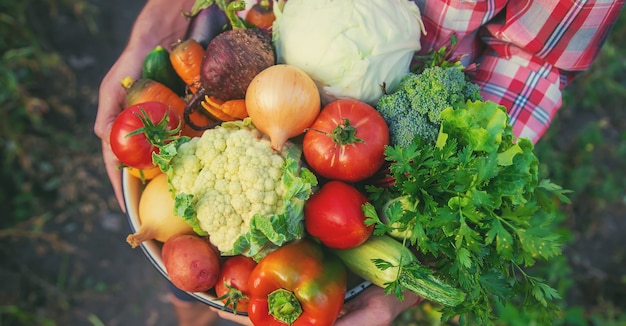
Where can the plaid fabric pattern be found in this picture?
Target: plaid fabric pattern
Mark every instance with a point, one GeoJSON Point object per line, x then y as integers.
{"type": "Point", "coordinates": [527, 51]}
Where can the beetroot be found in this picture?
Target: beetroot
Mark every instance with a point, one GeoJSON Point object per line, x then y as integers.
{"type": "Point", "coordinates": [232, 59]}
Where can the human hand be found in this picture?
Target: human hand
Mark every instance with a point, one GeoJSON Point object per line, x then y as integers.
{"type": "Point", "coordinates": [373, 307]}
{"type": "Point", "coordinates": [158, 23]}
{"type": "Point", "coordinates": [111, 101]}
{"type": "Point", "coordinates": [242, 320]}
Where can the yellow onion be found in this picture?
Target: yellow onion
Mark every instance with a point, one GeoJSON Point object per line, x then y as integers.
{"type": "Point", "coordinates": [282, 101]}
{"type": "Point", "coordinates": [156, 214]}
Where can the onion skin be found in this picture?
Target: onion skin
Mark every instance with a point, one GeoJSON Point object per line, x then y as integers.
{"type": "Point", "coordinates": [282, 101]}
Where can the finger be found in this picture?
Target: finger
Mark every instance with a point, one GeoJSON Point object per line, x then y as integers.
{"type": "Point", "coordinates": [363, 317]}
{"type": "Point", "coordinates": [115, 174]}
{"type": "Point", "coordinates": [242, 320]}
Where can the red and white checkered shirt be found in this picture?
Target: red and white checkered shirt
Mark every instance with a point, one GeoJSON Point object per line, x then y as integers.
{"type": "Point", "coordinates": [527, 51]}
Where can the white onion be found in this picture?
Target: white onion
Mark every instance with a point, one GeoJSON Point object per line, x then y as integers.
{"type": "Point", "coordinates": [282, 101]}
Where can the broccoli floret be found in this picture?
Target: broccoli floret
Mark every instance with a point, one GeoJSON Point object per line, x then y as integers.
{"type": "Point", "coordinates": [414, 108]}
{"type": "Point", "coordinates": [403, 122]}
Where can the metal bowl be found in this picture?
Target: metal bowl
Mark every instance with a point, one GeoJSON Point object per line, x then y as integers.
{"type": "Point", "coordinates": [132, 188]}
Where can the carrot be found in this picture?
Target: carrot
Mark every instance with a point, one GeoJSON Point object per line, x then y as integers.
{"type": "Point", "coordinates": [225, 110]}
{"type": "Point", "coordinates": [145, 90]}
{"type": "Point", "coordinates": [235, 108]}
{"type": "Point", "coordinates": [186, 58]}
{"type": "Point", "coordinates": [212, 106]}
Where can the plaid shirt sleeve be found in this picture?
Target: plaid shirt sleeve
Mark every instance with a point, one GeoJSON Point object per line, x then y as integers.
{"type": "Point", "coordinates": [527, 51]}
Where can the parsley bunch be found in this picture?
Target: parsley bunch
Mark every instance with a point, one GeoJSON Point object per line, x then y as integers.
{"type": "Point", "coordinates": [477, 211]}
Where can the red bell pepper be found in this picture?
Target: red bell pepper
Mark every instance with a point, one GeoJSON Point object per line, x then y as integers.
{"type": "Point", "coordinates": [297, 284]}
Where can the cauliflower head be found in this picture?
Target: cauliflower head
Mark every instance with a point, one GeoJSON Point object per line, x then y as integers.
{"type": "Point", "coordinates": [230, 176]}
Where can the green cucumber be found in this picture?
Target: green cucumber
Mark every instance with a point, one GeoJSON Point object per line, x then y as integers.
{"type": "Point", "coordinates": [412, 276]}
{"type": "Point", "coordinates": [158, 67]}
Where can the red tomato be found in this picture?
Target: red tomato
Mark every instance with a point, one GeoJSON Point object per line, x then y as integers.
{"type": "Point", "coordinates": [347, 141]}
{"type": "Point", "coordinates": [235, 274]}
{"type": "Point", "coordinates": [136, 150]}
{"type": "Point", "coordinates": [334, 216]}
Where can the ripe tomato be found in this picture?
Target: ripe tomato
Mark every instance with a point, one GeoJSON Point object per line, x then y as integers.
{"type": "Point", "coordinates": [334, 216]}
{"type": "Point", "coordinates": [232, 283]}
{"type": "Point", "coordinates": [133, 147]}
{"type": "Point", "coordinates": [347, 141]}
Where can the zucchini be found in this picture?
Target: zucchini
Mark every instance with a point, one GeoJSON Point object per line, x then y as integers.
{"type": "Point", "coordinates": [412, 276]}
{"type": "Point", "coordinates": [158, 67]}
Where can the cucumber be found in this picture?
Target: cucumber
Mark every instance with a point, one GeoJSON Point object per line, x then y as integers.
{"type": "Point", "coordinates": [158, 67]}
{"type": "Point", "coordinates": [360, 260]}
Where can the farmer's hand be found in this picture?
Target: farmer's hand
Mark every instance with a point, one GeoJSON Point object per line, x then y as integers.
{"type": "Point", "coordinates": [111, 101]}
{"type": "Point", "coordinates": [158, 23]}
{"type": "Point", "coordinates": [373, 307]}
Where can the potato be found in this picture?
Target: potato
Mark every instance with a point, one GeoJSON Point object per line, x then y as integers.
{"type": "Point", "coordinates": [191, 262]}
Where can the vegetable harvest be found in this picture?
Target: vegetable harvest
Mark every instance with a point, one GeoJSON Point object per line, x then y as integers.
{"type": "Point", "coordinates": [478, 210]}
{"type": "Point", "coordinates": [423, 186]}
{"type": "Point", "coordinates": [231, 185]}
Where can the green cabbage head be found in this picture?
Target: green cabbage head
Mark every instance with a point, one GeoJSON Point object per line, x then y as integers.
{"type": "Point", "coordinates": [349, 47]}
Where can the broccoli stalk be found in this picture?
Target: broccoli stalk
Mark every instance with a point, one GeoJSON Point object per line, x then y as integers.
{"type": "Point", "coordinates": [414, 108]}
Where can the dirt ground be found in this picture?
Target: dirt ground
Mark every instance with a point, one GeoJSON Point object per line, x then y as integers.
{"type": "Point", "coordinates": [72, 266]}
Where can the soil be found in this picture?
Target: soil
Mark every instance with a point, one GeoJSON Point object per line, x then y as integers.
{"type": "Point", "coordinates": [72, 266]}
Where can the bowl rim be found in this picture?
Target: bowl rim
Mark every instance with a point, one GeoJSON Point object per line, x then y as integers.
{"type": "Point", "coordinates": [131, 191]}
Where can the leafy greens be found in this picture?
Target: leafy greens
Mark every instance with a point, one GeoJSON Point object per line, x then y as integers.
{"type": "Point", "coordinates": [477, 210]}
